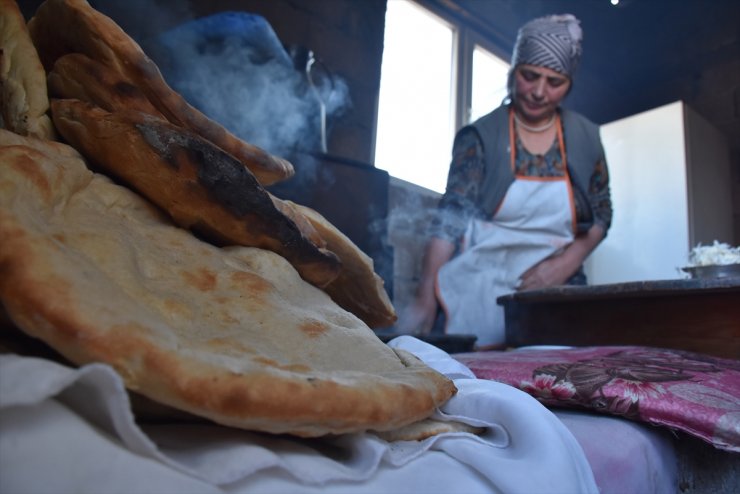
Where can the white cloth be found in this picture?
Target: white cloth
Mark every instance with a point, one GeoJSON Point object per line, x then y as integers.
{"type": "Point", "coordinates": [71, 430]}
{"type": "Point", "coordinates": [534, 221]}
{"type": "Point", "coordinates": [613, 445]}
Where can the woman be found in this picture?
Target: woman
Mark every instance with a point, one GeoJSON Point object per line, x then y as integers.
{"type": "Point", "coordinates": [527, 196]}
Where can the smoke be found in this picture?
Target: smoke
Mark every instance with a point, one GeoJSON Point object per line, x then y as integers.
{"type": "Point", "coordinates": [411, 213]}
{"type": "Point", "coordinates": [232, 67]}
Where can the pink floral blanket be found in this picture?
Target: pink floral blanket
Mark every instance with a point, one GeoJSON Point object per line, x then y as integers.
{"type": "Point", "coordinates": [690, 392]}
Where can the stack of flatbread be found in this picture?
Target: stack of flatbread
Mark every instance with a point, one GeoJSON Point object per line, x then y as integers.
{"type": "Point", "coordinates": [208, 180]}
{"type": "Point", "coordinates": [150, 245]}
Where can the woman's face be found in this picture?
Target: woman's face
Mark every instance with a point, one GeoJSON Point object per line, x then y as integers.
{"type": "Point", "coordinates": [538, 92]}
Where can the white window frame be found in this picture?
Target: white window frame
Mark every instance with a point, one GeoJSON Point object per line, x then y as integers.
{"type": "Point", "coordinates": [465, 39]}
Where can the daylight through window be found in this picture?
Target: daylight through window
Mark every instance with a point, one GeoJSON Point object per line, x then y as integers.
{"type": "Point", "coordinates": [419, 108]}
{"type": "Point", "coordinates": [415, 112]}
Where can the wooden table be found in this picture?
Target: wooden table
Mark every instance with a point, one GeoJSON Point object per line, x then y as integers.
{"type": "Point", "coordinates": [700, 315]}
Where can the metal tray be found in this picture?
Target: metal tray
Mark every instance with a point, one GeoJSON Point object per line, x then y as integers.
{"type": "Point", "coordinates": [716, 271]}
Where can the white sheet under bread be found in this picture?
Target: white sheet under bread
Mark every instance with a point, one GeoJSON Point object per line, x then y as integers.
{"type": "Point", "coordinates": [70, 430]}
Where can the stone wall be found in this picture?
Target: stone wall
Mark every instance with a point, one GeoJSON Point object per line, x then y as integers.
{"type": "Point", "coordinates": [410, 209]}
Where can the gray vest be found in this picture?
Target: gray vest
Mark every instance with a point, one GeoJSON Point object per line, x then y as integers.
{"type": "Point", "coordinates": [582, 144]}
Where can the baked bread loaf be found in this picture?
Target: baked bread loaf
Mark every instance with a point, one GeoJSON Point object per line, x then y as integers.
{"type": "Point", "coordinates": [23, 96]}
{"type": "Point", "coordinates": [60, 27]}
{"type": "Point", "coordinates": [233, 335]}
{"type": "Point", "coordinates": [357, 288]}
{"type": "Point", "coordinates": [202, 187]}
{"type": "Point", "coordinates": [77, 76]}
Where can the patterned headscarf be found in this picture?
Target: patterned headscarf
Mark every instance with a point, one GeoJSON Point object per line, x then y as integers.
{"type": "Point", "coordinates": [553, 42]}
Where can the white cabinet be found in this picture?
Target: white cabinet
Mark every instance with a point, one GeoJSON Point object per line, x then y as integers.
{"type": "Point", "coordinates": [671, 189]}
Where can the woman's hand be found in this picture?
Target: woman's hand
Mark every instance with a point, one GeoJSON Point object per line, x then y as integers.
{"type": "Point", "coordinates": [552, 271]}
{"type": "Point", "coordinates": [555, 270]}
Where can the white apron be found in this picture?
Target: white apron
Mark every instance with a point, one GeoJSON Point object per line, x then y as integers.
{"type": "Point", "coordinates": [534, 221]}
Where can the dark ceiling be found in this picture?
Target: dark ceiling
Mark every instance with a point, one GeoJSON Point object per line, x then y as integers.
{"type": "Point", "coordinates": [637, 55]}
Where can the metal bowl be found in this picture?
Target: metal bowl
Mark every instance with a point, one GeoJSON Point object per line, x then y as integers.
{"type": "Point", "coordinates": [715, 271]}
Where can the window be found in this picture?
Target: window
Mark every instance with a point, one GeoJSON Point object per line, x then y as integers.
{"type": "Point", "coordinates": [435, 77]}
{"type": "Point", "coordinates": [489, 82]}
{"type": "Point", "coordinates": [415, 111]}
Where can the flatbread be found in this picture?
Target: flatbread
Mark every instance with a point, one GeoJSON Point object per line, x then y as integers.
{"type": "Point", "coordinates": [23, 95]}
{"type": "Point", "coordinates": [202, 187]}
{"type": "Point", "coordinates": [233, 335]}
{"type": "Point", "coordinates": [357, 288]}
{"type": "Point", "coordinates": [105, 81]}
{"type": "Point", "coordinates": [52, 148]}
{"type": "Point", "coordinates": [16, 342]}
{"type": "Point", "coordinates": [424, 429]}
{"type": "Point", "coordinates": [77, 76]}
{"type": "Point", "coordinates": [60, 27]}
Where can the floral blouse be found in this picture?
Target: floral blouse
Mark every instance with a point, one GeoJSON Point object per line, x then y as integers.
{"type": "Point", "coordinates": [460, 203]}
